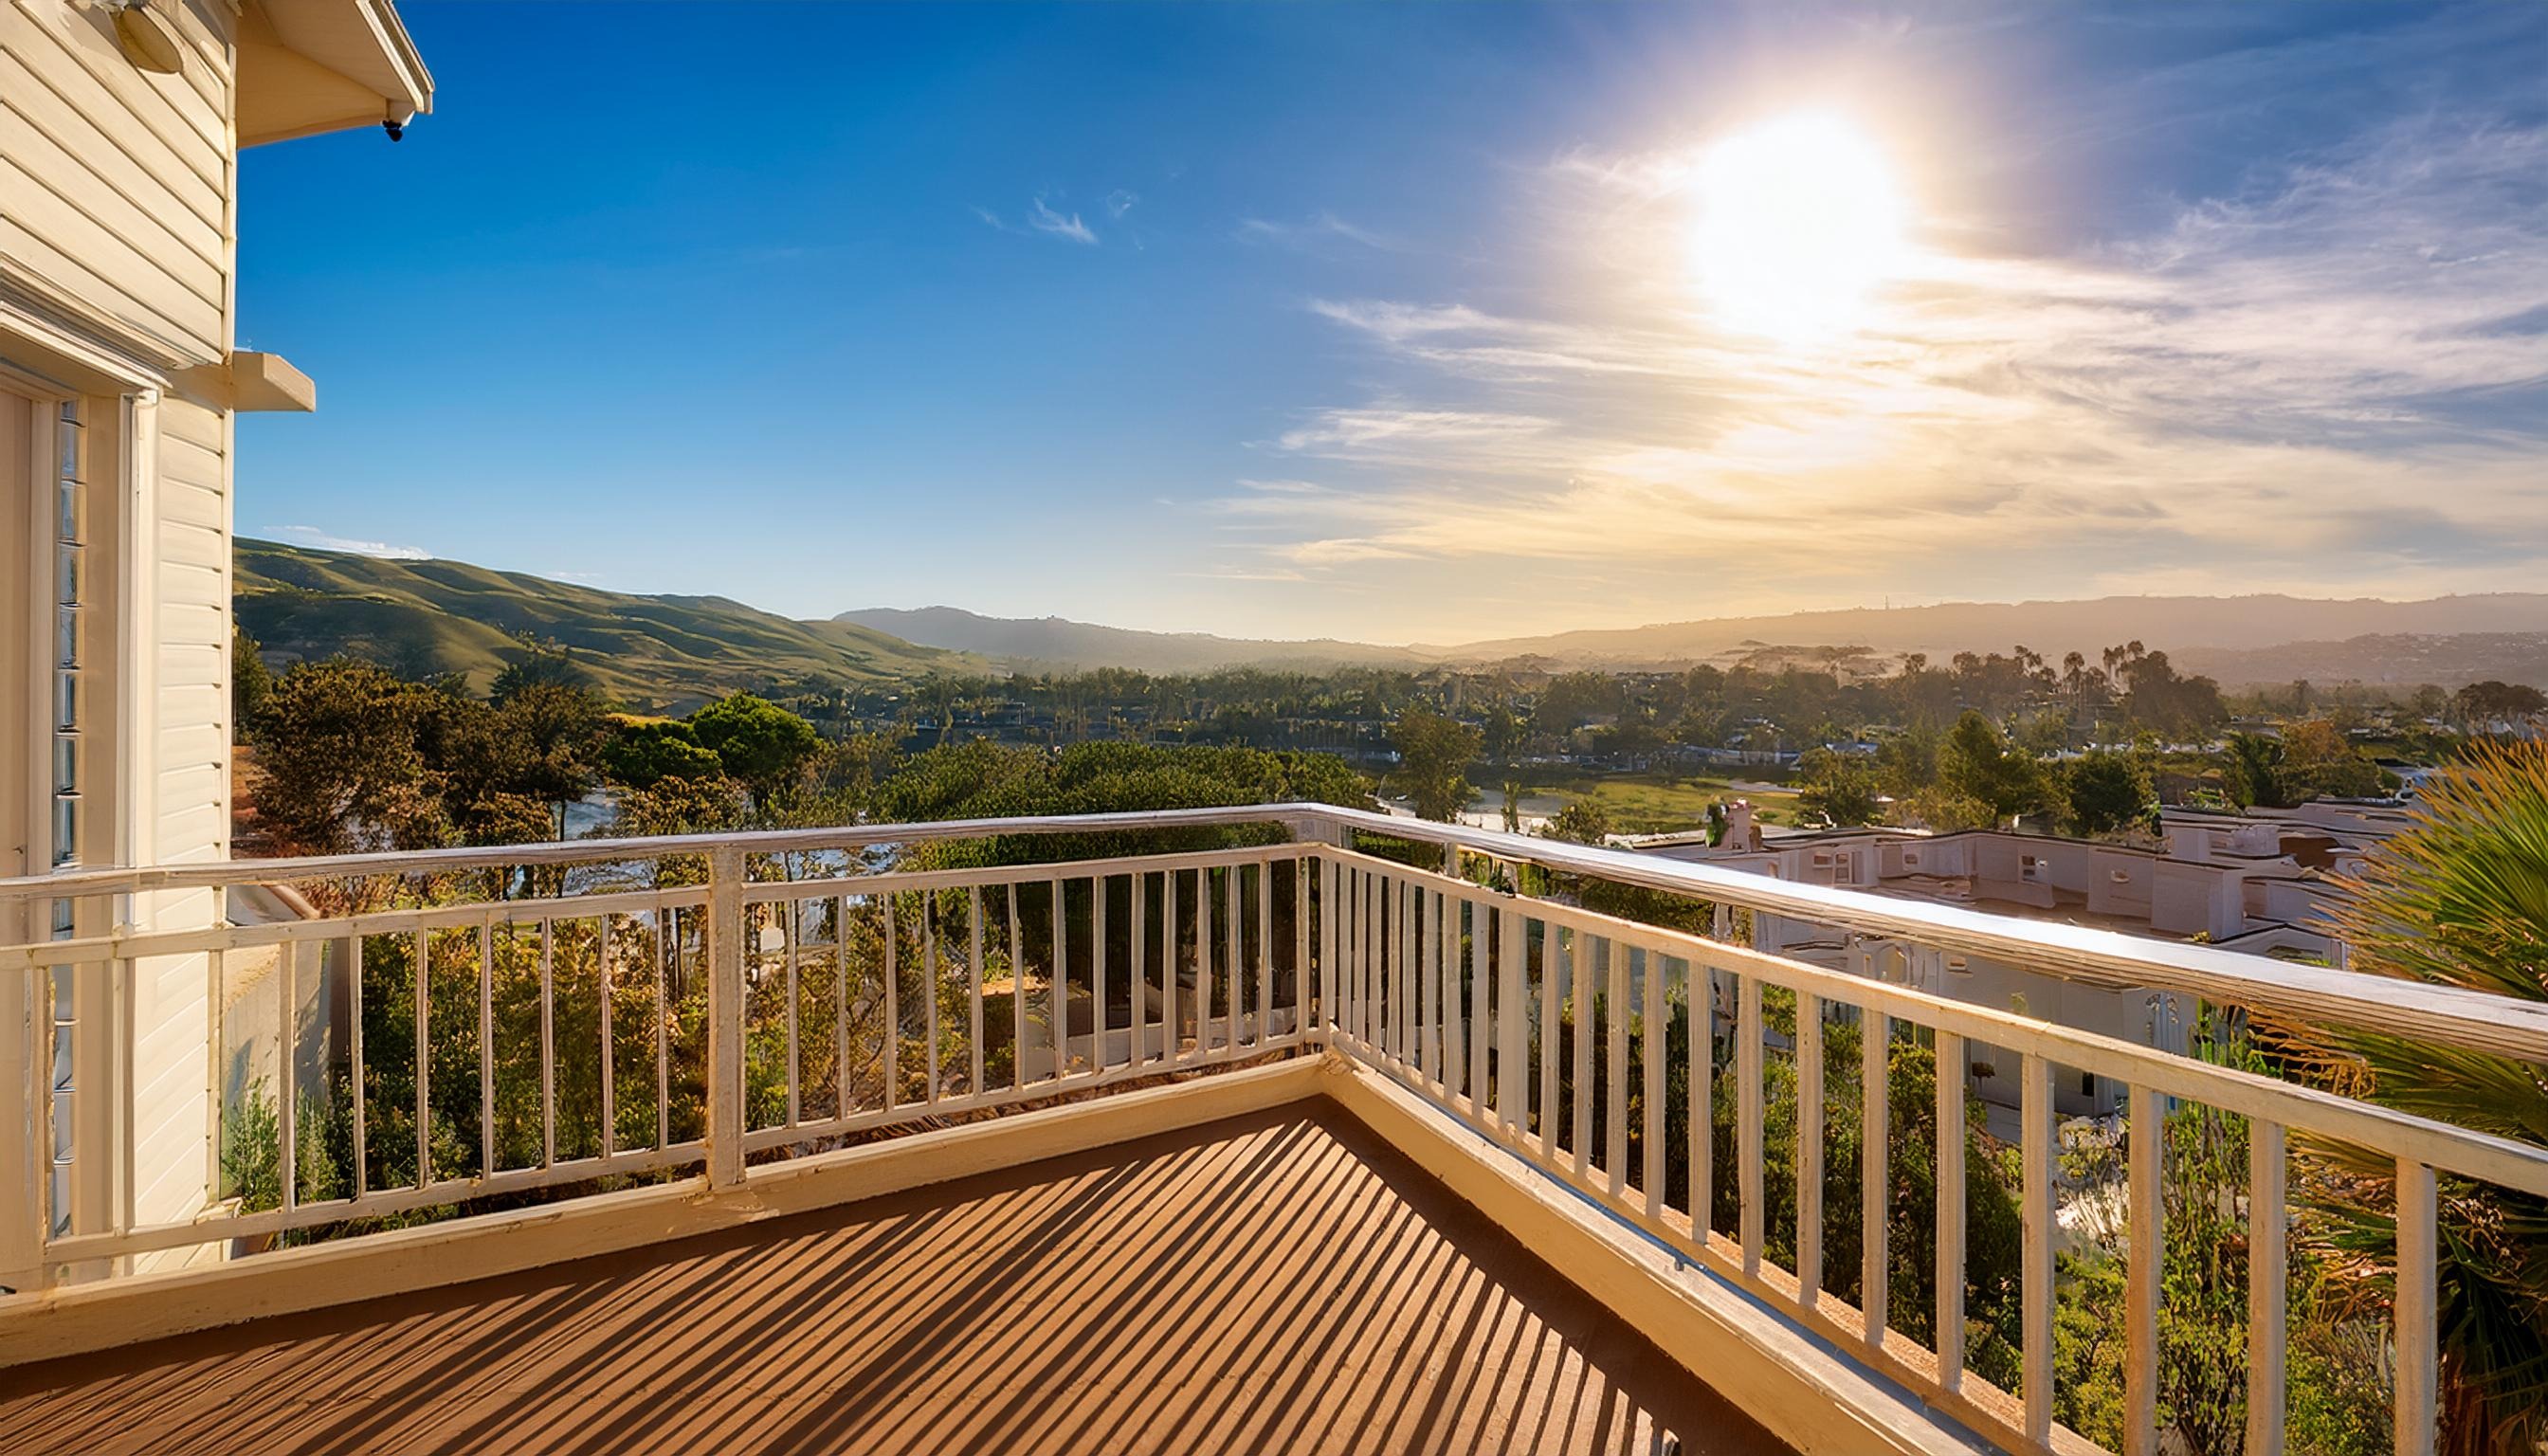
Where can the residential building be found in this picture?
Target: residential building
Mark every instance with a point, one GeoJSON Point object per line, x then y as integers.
{"type": "Point", "coordinates": [120, 131]}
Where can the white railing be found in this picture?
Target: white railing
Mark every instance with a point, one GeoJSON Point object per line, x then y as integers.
{"type": "Point", "coordinates": [542, 1017]}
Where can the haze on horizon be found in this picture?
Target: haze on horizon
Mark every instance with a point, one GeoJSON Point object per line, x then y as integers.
{"type": "Point", "coordinates": [1428, 323]}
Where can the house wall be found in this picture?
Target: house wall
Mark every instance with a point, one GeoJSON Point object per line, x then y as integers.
{"type": "Point", "coordinates": [120, 181]}
{"type": "Point", "coordinates": [116, 248]}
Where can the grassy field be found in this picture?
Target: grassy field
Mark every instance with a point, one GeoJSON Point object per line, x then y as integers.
{"type": "Point", "coordinates": [1662, 803]}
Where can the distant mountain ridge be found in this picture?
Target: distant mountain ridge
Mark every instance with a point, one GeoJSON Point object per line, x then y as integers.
{"type": "Point", "coordinates": [2240, 640]}
{"type": "Point", "coordinates": [2174, 624]}
{"type": "Point", "coordinates": [1057, 642]}
{"type": "Point", "coordinates": [424, 618]}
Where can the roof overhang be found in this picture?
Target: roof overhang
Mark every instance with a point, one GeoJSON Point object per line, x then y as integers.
{"type": "Point", "coordinates": [306, 67]}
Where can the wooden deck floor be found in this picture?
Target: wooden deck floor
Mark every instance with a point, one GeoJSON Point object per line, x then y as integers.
{"type": "Point", "coordinates": [1280, 1283]}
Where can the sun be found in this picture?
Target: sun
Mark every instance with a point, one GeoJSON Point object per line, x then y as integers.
{"type": "Point", "coordinates": [1798, 221]}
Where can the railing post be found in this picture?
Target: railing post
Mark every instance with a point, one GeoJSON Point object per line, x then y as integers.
{"type": "Point", "coordinates": [21, 1168]}
{"type": "Point", "coordinates": [725, 1016]}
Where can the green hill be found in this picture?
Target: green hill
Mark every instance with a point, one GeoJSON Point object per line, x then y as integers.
{"type": "Point", "coordinates": [650, 652]}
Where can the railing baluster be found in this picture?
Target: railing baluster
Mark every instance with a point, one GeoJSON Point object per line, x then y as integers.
{"type": "Point", "coordinates": [2147, 1232]}
{"type": "Point", "coordinates": [1551, 1020]}
{"type": "Point", "coordinates": [1455, 1035]}
{"type": "Point", "coordinates": [791, 919]}
{"type": "Point", "coordinates": [548, 1045]}
{"type": "Point", "coordinates": [2267, 1208]}
{"type": "Point", "coordinates": [728, 877]}
{"type": "Point", "coordinates": [1374, 963]}
{"type": "Point", "coordinates": [1874, 1172]}
{"type": "Point", "coordinates": [424, 1065]}
{"type": "Point", "coordinates": [1171, 1028]}
{"type": "Point", "coordinates": [1264, 952]}
{"type": "Point", "coordinates": [1137, 1013]}
{"type": "Point", "coordinates": [1950, 1341]}
{"type": "Point", "coordinates": [892, 1005]}
{"type": "Point", "coordinates": [288, 1038]}
{"type": "Point", "coordinates": [487, 1047]}
{"type": "Point", "coordinates": [1203, 961]}
{"type": "Point", "coordinates": [1425, 996]}
{"type": "Point", "coordinates": [354, 1027]}
{"type": "Point", "coordinates": [1747, 1171]}
{"type": "Point", "coordinates": [1234, 953]}
{"type": "Point", "coordinates": [929, 985]}
{"type": "Point", "coordinates": [1060, 997]}
{"type": "Point", "coordinates": [839, 1000]}
{"type": "Point", "coordinates": [1579, 963]}
{"type": "Point", "coordinates": [1614, 1067]}
{"type": "Point", "coordinates": [1300, 947]}
{"type": "Point", "coordinates": [610, 1141]}
{"type": "Point", "coordinates": [1701, 1112]}
{"type": "Point", "coordinates": [1403, 1018]}
{"type": "Point", "coordinates": [1809, 1148]}
{"type": "Point", "coordinates": [1655, 1043]}
{"type": "Point", "coordinates": [973, 980]}
{"type": "Point", "coordinates": [2035, 1209]}
{"type": "Point", "coordinates": [667, 956]}
{"type": "Point", "coordinates": [1513, 1089]}
{"type": "Point", "coordinates": [1017, 991]}
{"type": "Point", "coordinates": [2416, 1313]}
{"type": "Point", "coordinates": [1481, 1009]}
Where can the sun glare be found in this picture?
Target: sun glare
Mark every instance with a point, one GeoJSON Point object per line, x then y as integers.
{"type": "Point", "coordinates": [1798, 220]}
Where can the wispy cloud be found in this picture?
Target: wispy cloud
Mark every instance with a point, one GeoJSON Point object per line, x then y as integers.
{"type": "Point", "coordinates": [1319, 227]}
{"type": "Point", "coordinates": [314, 537]}
{"type": "Point", "coordinates": [1120, 201]}
{"type": "Point", "coordinates": [2330, 378]}
{"type": "Point", "coordinates": [1044, 220]}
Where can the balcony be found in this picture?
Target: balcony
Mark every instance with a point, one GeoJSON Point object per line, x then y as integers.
{"type": "Point", "coordinates": [1283, 1129]}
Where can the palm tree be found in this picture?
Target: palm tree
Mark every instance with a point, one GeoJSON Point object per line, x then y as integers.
{"type": "Point", "coordinates": [2460, 899]}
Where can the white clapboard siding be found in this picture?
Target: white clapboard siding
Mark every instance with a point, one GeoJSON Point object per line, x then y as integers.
{"type": "Point", "coordinates": [118, 179]}
{"type": "Point", "coordinates": [189, 804]}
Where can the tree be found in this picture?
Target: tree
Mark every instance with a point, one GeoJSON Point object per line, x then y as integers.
{"type": "Point", "coordinates": [542, 662]}
{"type": "Point", "coordinates": [2458, 899]}
{"type": "Point", "coordinates": [641, 753]}
{"type": "Point", "coordinates": [761, 745]}
{"type": "Point", "coordinates": [1582, 822]}
{"type": "Point", "coordinates": [557, 732]}
{"type": "Point", "coordinates": [2483, 704]}
{"type": "Point", "coordinates": [251, 685]}
{"type": "Point", "coordinates": [2103, 791]}
{"type": "Point", "coordinates": [2316, 759]}
{"type": "Point", "coordinates": [2252, 773]}
{"type": "Point", "coordinates": [1840, 787]}
{"type": "Point", "coordinates": [340, 769]}
{"type": "Point", "coordinates": [1976, 762]}
{"type": "Point", "coordinates": [1433, 756]}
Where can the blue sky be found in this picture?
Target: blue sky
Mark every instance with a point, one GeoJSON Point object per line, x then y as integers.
{"type": "Point", "coordinates": [1387, 323]}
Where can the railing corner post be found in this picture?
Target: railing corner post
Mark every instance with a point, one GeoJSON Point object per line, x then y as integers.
{"type": "Point", "coordinates": [725, 1091]}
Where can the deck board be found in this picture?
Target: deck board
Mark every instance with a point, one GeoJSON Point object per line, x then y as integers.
{"type": "Point", "coordinates": [1283, 1282]}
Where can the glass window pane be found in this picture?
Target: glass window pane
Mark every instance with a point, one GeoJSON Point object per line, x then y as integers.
{"type": "Point", "coordinates": [66, 829]}
{"type": "Point", "coordinates": [64, 913]}
{"type": "Point", "coordinates": [66, 636]}
{"type": "Point", "coordinates": [69, 503]}
{"type": "Point", "coordinates": [67, 703]}
{"type": "Point", "coordinates": [66, 763]}
{"type": "Point", "coordinates": [72, 411]}
{"type": "Point", "coordinates": [66, 574]}
{"type": "Point", "coordinates": [72, 438]}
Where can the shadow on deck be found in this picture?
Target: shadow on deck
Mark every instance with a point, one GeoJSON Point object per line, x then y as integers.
{"type": "Point", "coordinates": [1280, 1283]}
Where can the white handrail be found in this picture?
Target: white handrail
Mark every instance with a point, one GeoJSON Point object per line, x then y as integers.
{"type": "Point", "coordinates": [2447, 1015]}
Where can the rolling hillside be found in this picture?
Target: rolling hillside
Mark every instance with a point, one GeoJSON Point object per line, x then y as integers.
{"type": "Point", "coordinates": [2240, 640]}
{"type": "Point", "coordinates": [1058, 643]}
{"type": "Point", "coordinates": [448, 617]}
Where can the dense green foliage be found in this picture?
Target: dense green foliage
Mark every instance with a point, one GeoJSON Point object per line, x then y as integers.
{"type": "Point", "coordinates": [2461, 899]}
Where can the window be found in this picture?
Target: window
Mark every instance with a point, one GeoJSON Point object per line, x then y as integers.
{"type": "Point", "coordinates": [70, 658]}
